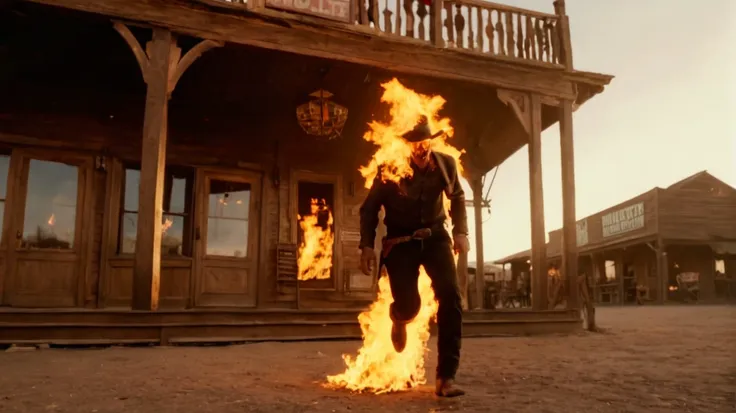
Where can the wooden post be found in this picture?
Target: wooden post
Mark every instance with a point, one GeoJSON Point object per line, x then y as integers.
{"type": "Point", "coordinates": [620, 274]}
{"type": "Point", "coordinates": [569, 227]}
{"type": "Point", "coordinates": [436, 24]}
{"type": "Point", "coordinates": [161, 69]}
{"type": "Point", "coordinates": [663, 271]}
{"type": "Point", "coordinates": [462, 278]}
{"type": "Point", "coordinates": [563, 25]}
{"type": "Point", "coordinates": [536, 195]}
{"type": "Point", "coordinates": [477, 187]}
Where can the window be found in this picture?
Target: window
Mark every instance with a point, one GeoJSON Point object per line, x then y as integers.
{"type": "Point", "coordinates": [4, 168]}
{"type": "Point", "coordinates": [228, 213]}
{"type": "Point", "coordinates": [51, 206]}
{"type": "Point", "coordinates": [177, 207]}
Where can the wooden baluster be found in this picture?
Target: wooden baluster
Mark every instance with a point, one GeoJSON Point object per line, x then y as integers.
{"type": "Point", "coordinates": [449, 24]}
{"type": "Point", "coordinates": [374, 14]}
{"type": "Point", "coordinates": [555, 40]}
{"type": "Point", "coordinates": [459, 26]}
{"type": "Point", "coordinates": [510, 34]}
{"type": "Point", "coordinates": [422, 13]}
{"type": "Point", "coordinates": [531, 53]}
{"type": "Point", "coordinates": [539, 36]}
{"type": "Point", "coordinates": [409, 17]}
{"type": "Point", "coordinates": [363, 13]}
{"type": "Point", "coordinates": [519, 37]}
{"type": "Point", "coordinates": [501, 34]}
{"type": "Point", "coordinates": [387, 26]}
{"type": "Point", "coordinates": [481, 38]}
{"type": "Point", "coordinates": [490, 31]}
{"type": "Point", "coordinates": [471, 36]}
{"type": "Point", "coordinates": [398, 16]}
{"type": "Point", "coordinates": [545, 40]}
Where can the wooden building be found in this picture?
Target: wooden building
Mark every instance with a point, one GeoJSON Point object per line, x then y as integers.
{"type": "Point", "coordinates": [113, 234]}
{"type": "Point", "coordinates": [667, 244]}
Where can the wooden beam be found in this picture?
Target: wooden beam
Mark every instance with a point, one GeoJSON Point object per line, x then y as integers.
{"type": "Point", "coordinates": [331, 40]}
{"type": "Point", "coordinates": [519, 102]}
{"type": "Point", "coordinates": [161, 68]}
{"type": "Point", "coordinates": [536, 195]}
{"type": "Point", "coordinates": [477, 187]}
{"type": "Point", "coordinates": [569, 227]}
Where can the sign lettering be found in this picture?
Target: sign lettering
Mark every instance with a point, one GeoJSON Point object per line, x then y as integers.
{"type": "Point", "coordinates": [338, 10]}
{"type": "Point", "coordinates": [626, 219]}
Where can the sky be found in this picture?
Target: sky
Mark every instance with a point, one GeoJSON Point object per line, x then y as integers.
{"type": "Point", "coordinates": [669, 112]}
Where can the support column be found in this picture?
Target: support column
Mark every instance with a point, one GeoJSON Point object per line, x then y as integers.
{"type": "Point", "coordinates": [663, 268]}
{"type": "Point", "coordinates": [536, 195]}
{"type": "Point", "coordinates": [161, 69]}
{"type": "Point", "coordinates": [569, 227]}
{"type": "Point", "coordinates": [477, 187]}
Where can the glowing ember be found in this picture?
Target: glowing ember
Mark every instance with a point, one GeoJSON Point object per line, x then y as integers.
{"type": "Point", "coordinates": [52, 220]}
{"type": "Point", "coordinates": [377, 367]}
{"type": "Point", "coordinates": [315, 251]}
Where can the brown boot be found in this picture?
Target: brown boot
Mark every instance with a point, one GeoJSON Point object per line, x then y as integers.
{"type": "Point", "coordinates": [447, 388]}
{"type": "Point", "coordinates": [398, 336]}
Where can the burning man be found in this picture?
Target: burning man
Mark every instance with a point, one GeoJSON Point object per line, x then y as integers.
{"type": "Point", "coordinates": [414, 219]}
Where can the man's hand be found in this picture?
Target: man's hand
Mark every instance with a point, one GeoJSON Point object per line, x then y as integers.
{"type": "Point", "coordinates": [367, 260]}
{"type": "Point", "coordinates": [460, 243]}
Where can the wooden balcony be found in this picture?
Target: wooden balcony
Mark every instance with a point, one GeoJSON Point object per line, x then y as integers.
{"type": "Point", "coordinates": [479, 27]}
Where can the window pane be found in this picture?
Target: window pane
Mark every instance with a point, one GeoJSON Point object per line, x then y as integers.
{"type": "Point", "coordinates": [227, 222]}
{"type": "Point", "coordinates": [172, 234]}
{"type": "Point", "coordinates": [4, 166]}
{"type": "Point", "coordinates": [227, 237]}
{"type": "Point", "coordinates": [128, 229]}
{"type": "Point", "coordinates": [229, 200]}
{"type": "Point", "coordinates": [177, 202]}
{"type": "Point", "coordinates": [132, 183]}
{"type": "Point", "coordinates": [51, 205]}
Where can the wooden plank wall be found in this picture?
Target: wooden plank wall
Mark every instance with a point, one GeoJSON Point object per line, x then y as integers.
{"type": "Point", "coordinates": [696, 215]}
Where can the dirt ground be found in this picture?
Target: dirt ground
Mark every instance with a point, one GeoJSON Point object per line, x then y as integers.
{"type": "Point", "coordinates": [649, 359]}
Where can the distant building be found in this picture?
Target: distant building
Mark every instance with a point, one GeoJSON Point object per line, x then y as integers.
{"type": "Point", "coordinates": [671, 244]}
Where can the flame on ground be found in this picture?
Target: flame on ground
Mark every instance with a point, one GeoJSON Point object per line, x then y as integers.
{"type": "Point", "coordinates": [315, 251]}
{"type": "Point", "coordinates": [377, 367]}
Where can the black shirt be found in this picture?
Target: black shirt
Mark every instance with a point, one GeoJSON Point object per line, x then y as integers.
{"type": "Point", "coordinates": [415, 202]}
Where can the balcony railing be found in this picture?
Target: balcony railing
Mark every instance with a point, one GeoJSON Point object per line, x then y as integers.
{"type": "Point", "coordinates": [474, 26]}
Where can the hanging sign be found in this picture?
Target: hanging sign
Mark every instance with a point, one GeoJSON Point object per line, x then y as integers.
{"type": "Point", "coordinates": [626, 219]}
{"type": "Point", "coordinates": [338, 10]}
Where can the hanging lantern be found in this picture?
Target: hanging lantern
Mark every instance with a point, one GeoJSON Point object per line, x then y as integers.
{"type": "Point", "coordinates": [322, 117]}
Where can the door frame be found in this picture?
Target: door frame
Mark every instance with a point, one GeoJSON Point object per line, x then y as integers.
{"type": "Point", "coordinates": [16, 199]}
{"type": "Point", "coordinates": [256, 235]}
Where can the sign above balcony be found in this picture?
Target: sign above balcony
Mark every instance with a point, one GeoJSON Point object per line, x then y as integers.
{"type": "Point", "coordinates": [338, 10]}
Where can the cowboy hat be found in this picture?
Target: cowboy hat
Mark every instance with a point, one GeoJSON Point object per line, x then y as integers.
{"type": "Point", "coordinates": [421, 132]}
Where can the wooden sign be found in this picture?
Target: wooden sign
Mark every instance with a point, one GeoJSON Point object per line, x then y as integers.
{"type": "Point", "coordinates": [338, 10]}
{"type": "Point", "coordinates": [286, 262]}
{"type": "Point", "coordinates": [626, 219]}
{"type": "Point", "coordinates": [350, 236]}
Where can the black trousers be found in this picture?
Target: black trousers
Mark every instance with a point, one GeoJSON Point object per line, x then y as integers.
{"type": "Point", "coordinates": [402, 265]}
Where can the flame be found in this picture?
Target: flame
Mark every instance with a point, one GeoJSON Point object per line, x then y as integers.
{"type": "Point", "coordinates": [52, 220]}
{"type": "Point", "coordinates": [394, 153]}
{"type": "Point", "coordinates": [315, 251]}
{"type": "Point", "coordinates": [166, 225]}
{"type": "Point", "coordinates": [377, 367]}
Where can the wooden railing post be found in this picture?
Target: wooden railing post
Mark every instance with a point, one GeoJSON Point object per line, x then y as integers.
{"type": "Point", "coordinates": [435, 30]}
{"type": "Point", "coordinates": [564, 33]}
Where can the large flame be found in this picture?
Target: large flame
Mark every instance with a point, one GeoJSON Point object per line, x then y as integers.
{"type": "Point", "coordinates": [377, 367]}
{"type": "Point", "coordinates": [315, 251]}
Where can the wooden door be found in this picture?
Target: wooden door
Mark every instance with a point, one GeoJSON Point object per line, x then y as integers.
{"type": "Point", "coordinates": [227, 238]}
{"type": "Point", "coordinates": [44, 239]}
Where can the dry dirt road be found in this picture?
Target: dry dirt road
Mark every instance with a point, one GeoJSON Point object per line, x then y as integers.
{"type": "Point", "coordinates": [649, 359]}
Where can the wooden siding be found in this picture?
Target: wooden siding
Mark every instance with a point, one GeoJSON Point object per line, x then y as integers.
{"type": "Point", "coordinates": [697, 214]}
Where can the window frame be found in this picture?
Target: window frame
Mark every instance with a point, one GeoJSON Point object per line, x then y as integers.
{"type": "Point", "coordinates": [188, 214]}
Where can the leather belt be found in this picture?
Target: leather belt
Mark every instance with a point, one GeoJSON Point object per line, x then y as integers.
{"type": "Point", "coordinates": [389, 243]}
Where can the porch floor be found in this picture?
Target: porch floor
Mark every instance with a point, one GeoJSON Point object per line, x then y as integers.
{"type": "Point", "coordinates": [165, 327]}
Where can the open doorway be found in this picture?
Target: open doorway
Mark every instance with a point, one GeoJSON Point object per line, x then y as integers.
{"type": "Point", "coordinates": [315, 235]}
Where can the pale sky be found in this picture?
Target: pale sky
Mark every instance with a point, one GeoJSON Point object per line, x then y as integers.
{"type": "Point", "coordinates": [669, 112]}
